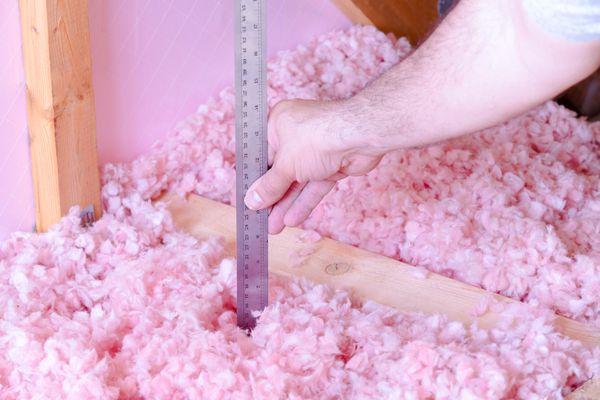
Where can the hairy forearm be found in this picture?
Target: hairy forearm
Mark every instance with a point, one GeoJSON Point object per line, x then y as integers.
{"type": "Point", "coordinates": [486, 62]}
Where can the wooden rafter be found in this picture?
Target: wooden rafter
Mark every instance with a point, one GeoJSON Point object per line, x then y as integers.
{"type": "Point", "coordinates": [413, 19]}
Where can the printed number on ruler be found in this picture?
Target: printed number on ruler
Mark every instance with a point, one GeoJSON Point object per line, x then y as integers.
{"type": "Point", "coordinates": [251, 159]}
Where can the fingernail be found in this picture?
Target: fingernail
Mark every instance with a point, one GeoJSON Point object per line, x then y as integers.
{"type": "Point", "coordinates": [253, 200]}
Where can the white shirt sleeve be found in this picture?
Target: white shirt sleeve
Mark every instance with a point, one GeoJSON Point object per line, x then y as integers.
{"type": "Point", "coordinates": [570, 19]}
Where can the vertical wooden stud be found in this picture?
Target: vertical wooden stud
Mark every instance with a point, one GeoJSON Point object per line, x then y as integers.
{"type": "Point", "coordinates": [60, 107]}
{"type": "Point", "coordinates": [413, 19]}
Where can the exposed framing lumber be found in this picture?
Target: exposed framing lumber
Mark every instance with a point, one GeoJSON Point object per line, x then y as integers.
{"type": "Point", "coordinates": [353, 12]}
{"type": "Point", "coordinates": [588, 391]}
{"type": "Point", "coordinates": [363, 273]}
{"type": "Point", "coordinates": [61, 116]}
{"type": "Point", "coordinates": [60, 107]}
{"type": "Point", "coordinates": [413, 19]}
{"type": "Point", "coordinates": [584, 97]}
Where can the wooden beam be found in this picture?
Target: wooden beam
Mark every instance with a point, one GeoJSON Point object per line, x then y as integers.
{"type": "Point", "coordinates": [584, 97]}
{"type": "Point", "coordinates": [353, 12]}
{"type": "Point", "coordinates": [588, 391]}
{"type": "Point", "coordinates": [363, 273]}
{"type": "Point", "coordinates": [60, 107]}
{"type": "Point", "coordinates": [413, 19]}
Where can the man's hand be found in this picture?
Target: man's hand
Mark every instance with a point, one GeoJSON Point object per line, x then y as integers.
{"type": "Point", "coordinates": [310, 148]}
{"type": "Point", "coordinates": [486, 62]}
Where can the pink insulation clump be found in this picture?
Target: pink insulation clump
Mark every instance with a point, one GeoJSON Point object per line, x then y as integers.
{"type": "Point", "coordinates": [132, 309]}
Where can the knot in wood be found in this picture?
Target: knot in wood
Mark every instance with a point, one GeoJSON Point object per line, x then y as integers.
{"type": "Point", "coordinates": [337, 268]}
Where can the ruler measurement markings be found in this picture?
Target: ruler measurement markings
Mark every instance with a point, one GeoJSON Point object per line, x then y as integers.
{"type": "Point", "coordinates": [251, 162]}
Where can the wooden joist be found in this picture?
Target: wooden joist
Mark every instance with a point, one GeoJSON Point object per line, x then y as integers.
{"type": "Point", "coordinates": [588, 391]}
{"type": "Point", "coordinates": [60, 106]}
{"type": "Point", "coordinates": [409, 18]}
{"type": "Point", "coordinates": [365, 274]}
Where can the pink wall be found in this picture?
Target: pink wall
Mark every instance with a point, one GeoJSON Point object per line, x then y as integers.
{"type": "Point", "coordinates": [154, 62]}
{"type": "Point", "coordinates": [16, 199]}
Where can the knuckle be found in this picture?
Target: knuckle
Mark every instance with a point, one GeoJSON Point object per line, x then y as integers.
{"type": "Point", "coordinates": [268, 190]}
{"type": "Point", "coordinates": [270, 185]}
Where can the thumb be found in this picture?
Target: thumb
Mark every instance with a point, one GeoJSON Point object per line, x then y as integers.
{"type": "Point", "coordinates": [267, 189]}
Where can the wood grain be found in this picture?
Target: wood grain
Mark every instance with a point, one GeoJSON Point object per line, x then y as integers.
{"type": "Point", "coordinates": [353, 12]}
{"type": "Point", "coordinates": [60, 107]}
{"type": "Point", "coordinates": [409, 18]}
{"type": "Point", "coordinates": [365, 274]}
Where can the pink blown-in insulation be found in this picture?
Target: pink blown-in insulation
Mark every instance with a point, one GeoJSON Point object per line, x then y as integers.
{"type": "Point", "coordinates": [133, 309]}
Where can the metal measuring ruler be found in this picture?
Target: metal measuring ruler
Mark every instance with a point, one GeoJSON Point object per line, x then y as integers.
{"type": "Point", "coordinates": [251, 157]}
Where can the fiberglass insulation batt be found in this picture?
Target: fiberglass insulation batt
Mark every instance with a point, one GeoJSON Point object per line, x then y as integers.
{"type": "Point", "coordinates": [133, 309]}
